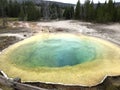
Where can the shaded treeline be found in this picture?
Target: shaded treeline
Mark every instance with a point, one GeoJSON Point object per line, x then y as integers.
{"type": "Point", "coordinates": [101, 12]}
{"type": "Point", "coordinates": [29, 11]}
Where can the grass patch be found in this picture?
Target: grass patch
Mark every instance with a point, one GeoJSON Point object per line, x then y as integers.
{"type": "Point", "coordinates": [12, 19]}
{"type": "Point", "coordinates": [8, 20]}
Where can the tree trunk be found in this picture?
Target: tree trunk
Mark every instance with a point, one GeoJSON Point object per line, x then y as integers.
{"type": "Point", "coordinates": [4, 19]}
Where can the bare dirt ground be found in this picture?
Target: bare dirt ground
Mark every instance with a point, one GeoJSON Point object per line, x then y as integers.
{"type": "Point", "coordinates": [15, 32]}
{"type": "Point", "coordinates": [109, 32]}
{"type": "Point", "coordinates": [20, 30]}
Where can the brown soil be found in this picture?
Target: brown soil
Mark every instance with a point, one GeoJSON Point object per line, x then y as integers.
{"type": "Point", "coordinates": [6, 41]}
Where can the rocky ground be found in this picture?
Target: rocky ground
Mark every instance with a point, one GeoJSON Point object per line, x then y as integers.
{"type": "Point", "coordinates": [13, 34]}
{"type": "Point", "coordinates": [109, 32]}
{"type": "Point", "coordinates": [20, 30]}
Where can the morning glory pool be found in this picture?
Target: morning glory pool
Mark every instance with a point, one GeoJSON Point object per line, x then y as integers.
{"type": "Point", "coordinates": [55, 52]}
{"type": "Point", "coordinates": [61, 58]}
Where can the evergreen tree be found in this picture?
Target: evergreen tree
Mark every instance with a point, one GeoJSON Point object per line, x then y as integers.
{"type": "Point", "coordinates": [53, 11]}
{"type": "Point", "coordinates": [28, 10]}
{"type": "Point", "coordinates": [16, 9]}
{"type": "Point", "coordinates": [110, 10]}
{"type": "Point", "coordinates": [0, 9]}
{"type": "Point", "coordinates": [118, 14]}
{"type": "Point", "coordinates": [78, 11]}
{"type": "Point", "coordinates": [105, 12]}
{"type": "Point", "coordinates": [68, 13]}
{"type": "Point", "coordinates": [3, 5]}
{"type": "Point", "coordinates": [60, 12]}
{"type": "Point", "coordinates": [87, 10]}
{"type": "Point", "coordinates": [32, 12]}
{"type": "Point", "coordinates": [99, 13]}
{"type": "Point", "coordinates": [115, 13]}
{"type": "Point", "coordinates": [22, 14]}
{"type": "Point", "coordinates": [91, 12]}
{"type": "Point", "coordinates": [45, 10]}
{"type": "Point", "coordinates": [82, 13]}
{"type": "Point", "coordinates": [13, 8]}
{"type": "Point", "coordinates": [38, 13]}
{"type": "Point", "coordinates": [9, 8]}
{"type": "Point", "coordinates": [72, 12]}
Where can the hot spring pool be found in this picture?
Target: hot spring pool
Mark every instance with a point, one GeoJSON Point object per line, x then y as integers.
{"type": "Point", "coordinates": [56, 52]}
{"type": "Point", "coordinates": [61, 58]}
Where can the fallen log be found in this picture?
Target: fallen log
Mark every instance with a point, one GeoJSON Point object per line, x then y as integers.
{"type": "Point", "coordinates": [17, 85]}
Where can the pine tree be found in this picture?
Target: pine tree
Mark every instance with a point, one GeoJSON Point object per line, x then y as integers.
{"type": "Point", "coordinates": [78, 11]}
{"type": "Point", "coordinates": [32, 12]}
{"type": "Point", "coordinates": [9, 8]}
{"type": "Point", "coordinates": [3, 5]}
{"type": "Point", "coordinates": [59, 12]}
{"type": "Point", "coordinates": [91, 12]}
{"type": "Point", "coordinates": [68, 13]}
{"type": "Point", "coordinates": [115, 13]}
{"type": "Point", "coordinates": [105, 12]}
{"type": "Point", "coordinates": [87, 10]}
{"type": "Point", "coordinates": [53, 11]}
{"type": "Point", "coordinates": [45, 10]}
{"type": "Point", "coordinates": [118, 14]}
{"type": "Point", "coordinates": [82, 12]}
{"type": "Point", "coordinates": [13, 8]}
{"type": "Point", "coordinates": [110, 10]}
{"type": "Point", "coordinates": [22, 14]}
{"type": "Point", "coordinates": [99, 13]}
{"type": "Point", "coordinates": [72, 12]}
{"type": "Point", "coordinates": [16, 9]}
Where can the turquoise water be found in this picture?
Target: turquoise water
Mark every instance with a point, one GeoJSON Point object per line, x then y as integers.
{"type": "Point", "coordinates": [55, 52]}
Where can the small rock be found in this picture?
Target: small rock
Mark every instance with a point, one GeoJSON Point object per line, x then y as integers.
{"type": "Point", "coordinates": [25, 35]}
